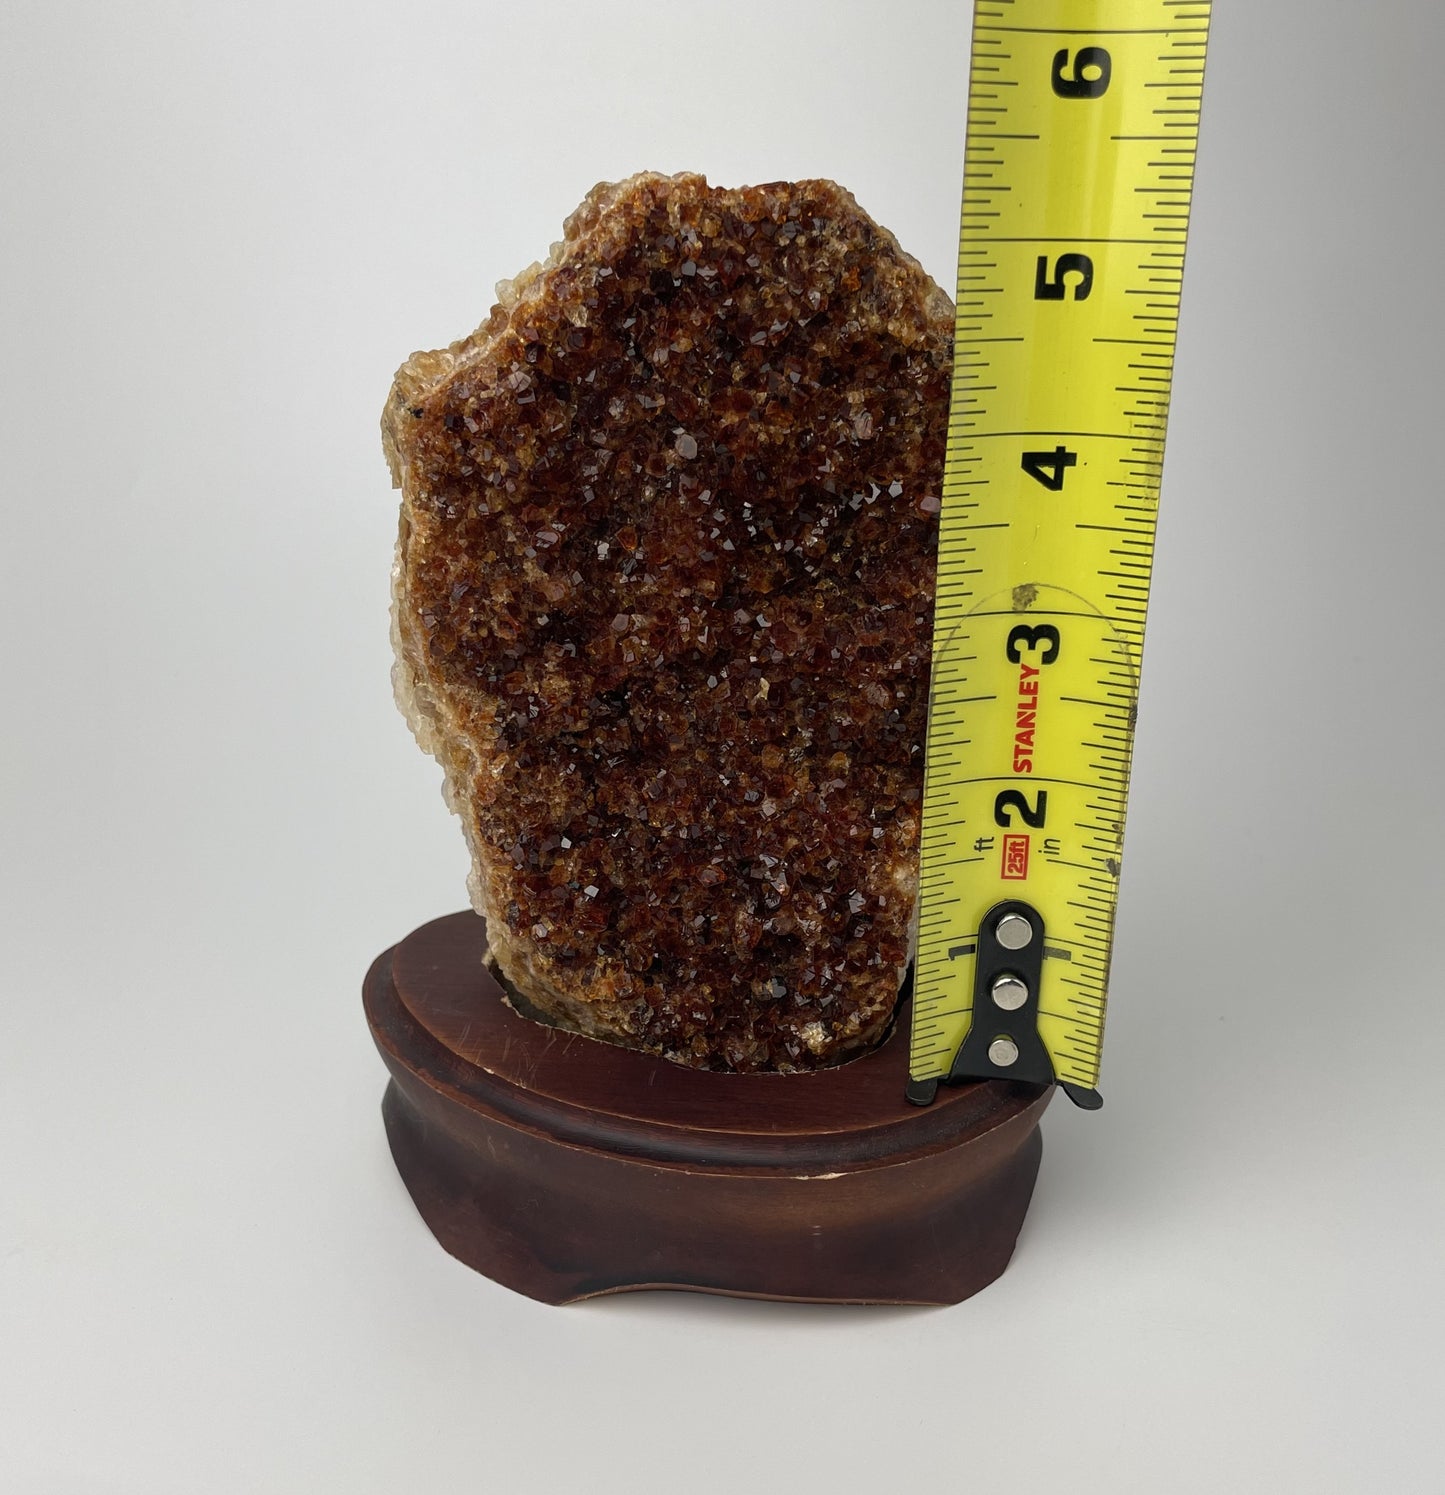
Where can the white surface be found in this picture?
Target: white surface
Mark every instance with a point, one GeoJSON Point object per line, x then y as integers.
{"type": "Point", "coordinates": [223, 227]}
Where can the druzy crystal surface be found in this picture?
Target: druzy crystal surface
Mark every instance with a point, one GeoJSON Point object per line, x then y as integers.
{"type": "Point", "coordinates": [663, 601]}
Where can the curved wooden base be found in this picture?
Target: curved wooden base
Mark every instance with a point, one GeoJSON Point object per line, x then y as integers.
{"type": "Point", "coordinates": [565, 1168]}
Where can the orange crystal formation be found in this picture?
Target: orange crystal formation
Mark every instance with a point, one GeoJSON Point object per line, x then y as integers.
{"type": "Point", "coordinates": [663, 604]}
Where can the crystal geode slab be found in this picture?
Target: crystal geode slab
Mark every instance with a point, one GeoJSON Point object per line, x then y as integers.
{"type": "Point", "coordinates": [663, 599]}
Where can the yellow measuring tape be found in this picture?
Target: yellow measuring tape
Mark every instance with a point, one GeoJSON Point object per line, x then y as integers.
{"type": "Point", "coordinates": [1082, 128]}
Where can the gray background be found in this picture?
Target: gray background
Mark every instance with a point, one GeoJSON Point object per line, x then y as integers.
{"type": "Point", "coordinates": [222, 228]}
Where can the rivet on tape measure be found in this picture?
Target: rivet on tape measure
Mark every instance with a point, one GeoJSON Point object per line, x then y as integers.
{"type": "Point", "coordinates": [1082, 128]}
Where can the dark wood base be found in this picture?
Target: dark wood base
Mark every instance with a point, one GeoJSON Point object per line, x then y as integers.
{"type": "Point", "coordinates": [565, 1168]}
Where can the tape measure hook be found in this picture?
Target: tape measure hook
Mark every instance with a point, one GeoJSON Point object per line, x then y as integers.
{"type": "Point", "coordinates": [1003, 1042]}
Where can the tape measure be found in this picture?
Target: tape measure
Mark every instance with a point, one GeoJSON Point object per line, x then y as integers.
{"type": "Point", "coordinates": [1082, 128]}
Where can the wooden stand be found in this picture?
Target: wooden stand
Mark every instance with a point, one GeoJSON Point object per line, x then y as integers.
{"type": "Point", "coordinates": [565, 1168]}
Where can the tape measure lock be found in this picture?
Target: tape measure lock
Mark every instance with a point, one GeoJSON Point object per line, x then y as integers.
{"type": "Point", "coordinates": [1083, 125]}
